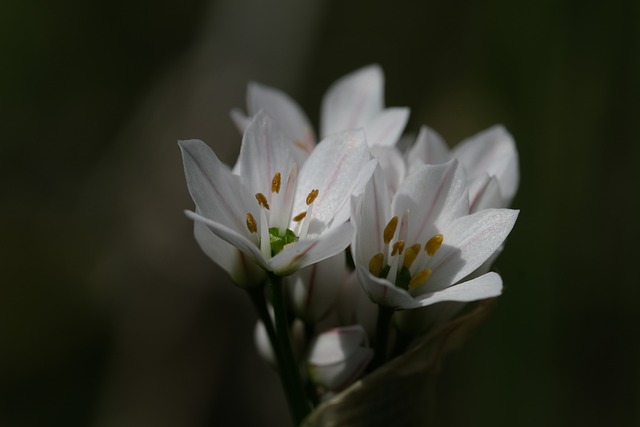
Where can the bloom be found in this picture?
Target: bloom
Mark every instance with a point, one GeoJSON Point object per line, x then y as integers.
{"type": "Point", "coordinates": [278, 218]}
{"type": "Point", "coordinates": [337, 357]}
{"type": "Point", "coordinates": [416, 248]}
{"type": "Point", "coordinates": [489, 159]}
{"type": "Point", "coordinates": [353, 101]}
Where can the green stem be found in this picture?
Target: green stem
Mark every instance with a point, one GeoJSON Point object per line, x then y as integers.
{"type": "Point", "coordinates": [382, 335]}
{"type": "Point", "coordinates": [289, 369]}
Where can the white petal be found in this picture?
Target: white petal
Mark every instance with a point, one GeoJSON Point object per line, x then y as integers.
{"type": "Point", "coordinates": [355, 307]}
{"type": "Point", "coordinates": [484, 193]}
{"type": "Point", "coordinates": [232, 237]}
{"type": "Point", "coordinates": [217, 193]}
{"type": "Point", "coordinates": [381, 291]}
{"type": "Point", "coordinates": [334, 168]}
{"type": "Point", "coordinates": [468, 243]}
{"type": "Point", "coordinates": [264, 152]}
{"type": "Point", "coordinates": [371, 218]}
{"type": "Point", "coordinates": [352, 100]}
{"type": "Point", "coordinates": [492, 151]}
{"type": "Point", "coordinates": [240, 119]}
{"type": "Point", "coordinates": [336, 345]}
{"type": "Point", "coordinates": [392, 164]}
{"type": "Point", "coordinates": [284, 111]}
{"type": "Point", "coordinates": [486, 286]}
{"type": "Point", "coordinates": [242, 271]}
{"type": "Point", "coordinates": [343, 214]}
{"type": "Point", "coordinates": [434, 195]}
{"type": "Point", "coordinates": [429, 149]}
{"type": "Point", "coordinates": [337, 376]}
{"type": "Point", "coordinates": [299, 254]}
{"type": "Point", "coordinates": [385, 128]}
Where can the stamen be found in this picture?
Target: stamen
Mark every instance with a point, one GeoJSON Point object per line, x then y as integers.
{"type": "Point", "coordinates": [411, 254]}
{"type": "Point", "coordinates": [251, 223]}
{"type": "Point", "coordinates": [390, 230]}
{"type": "Point", "coordinates": [420, 278]}
{"type": "Point", "coordinates": [376, 263]}
{"type": "Point", "coordinates": [300, 216]}
{"type": "Point", "coordinates": [262, 201]}
{"type": "Point", "coordinates": [433, 244]}
{"type": "Point", "coordinates": [312, 196]}
{"type": "Point", "coordinates": [275, 183]}
{"type": "Point", "coordinates": [397, 248]}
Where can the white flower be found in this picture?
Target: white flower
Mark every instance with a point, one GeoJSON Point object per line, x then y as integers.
{"type": "Point", "coordinates": [339, 356]}
{"type": "Point", "coordinates": [354, 101]}
{"type": "Point", "coordinates": [416, 248]}
{"type": "Point", "coordinates": [489, 159]}
{"type": "Point", "coordinates": [278, 218]}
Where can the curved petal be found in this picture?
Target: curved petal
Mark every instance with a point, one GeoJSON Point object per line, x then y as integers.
{"type": "Point", "coordinates": [381, 291]}
{"type": "Point", "coordinates": [339, 375]}
{"type": "Point", "coordinates": [429, 149]}
{"type": "Point", "coordinates": [336, 345]}
{"type": "Point", "coordinates": [334, 168]}
{"type": "Point", "coordinates": [385, 128]}
{"type": "Point", "coordinates": [468, 243]}
{"type": "Point", "coordinates": [232, 237]}
{"type": "Point", "coordinates": [485, 286]}
{"type": "Point", "coordinates": [492, 151]}
{"type": "Point", "coordinates": [392, 164]}
{"type": "Point", "coordinates": [264, 152]}
{"type": "Point", "coordinates": [352, 100]}
{"type": "Point", "coordinates": [240, 119]}
{"type": "Point", "coordinates": [242, 271]}
{"type": "Point", "coordinates": [217, 193]}
{"type": "Point", "coordinates": [284, 111]}
{"type": "Point", "coordinates": [371, 217]}
{"type": "Point", "coordinates": [433, 195]}
{"type": "Point", "coordinates": [484, 193]}
{"type": "Point", "coordinates": [302, 253]}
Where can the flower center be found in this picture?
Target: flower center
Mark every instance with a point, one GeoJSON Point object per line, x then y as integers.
{"type": "Point", "coordinates": [275, 214]}
{"type": "Point", "coordinates": [404, 266]}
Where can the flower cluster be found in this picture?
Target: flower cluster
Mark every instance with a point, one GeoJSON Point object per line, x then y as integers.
{"type": "Point", "coordinates": [357, 241]}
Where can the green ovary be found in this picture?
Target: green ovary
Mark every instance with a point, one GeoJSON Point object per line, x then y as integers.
{"type": "Point", "coordinates": [278, 240]}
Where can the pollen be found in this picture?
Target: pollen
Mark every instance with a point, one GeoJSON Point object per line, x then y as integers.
{"type": "Point", "coordinates": [390, 230]}
{"type": "Point", "coordinates": [262, 201]}
{"type": "Point", "coordinates": [411, 254]}
{"type": "Point", "coordinates": [300, 216]}
{"type": "Point", "coordinates": [376, 263]}
{"type": "Point", "coordinates": [275, 183]}
{"type": "Point", "coordinates": [397, 248]}
{"type": "Point", "coordinates": [433, 244]}
{"type": "Point", "coordinates": [420, 278]}
{"type": "Point", "coordinates": [312, 196]}
{"type": "Point", "coordinates": [251, 223]}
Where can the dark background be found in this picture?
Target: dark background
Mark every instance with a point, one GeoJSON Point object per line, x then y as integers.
{"type": "Point", "coordinates": [111, 316]}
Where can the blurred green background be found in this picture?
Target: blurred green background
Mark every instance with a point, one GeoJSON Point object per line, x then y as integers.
{"type": "Point", "coordinates": [109, 313]}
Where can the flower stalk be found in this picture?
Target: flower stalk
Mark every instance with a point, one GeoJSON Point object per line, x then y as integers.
{"type": "Point", "coordinates": [287, 365]}
{"type": "Point", "coordinates": [382, 336]}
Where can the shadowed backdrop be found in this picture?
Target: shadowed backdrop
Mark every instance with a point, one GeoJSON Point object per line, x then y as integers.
{"type": "Point", "coordinates": [111, 315]}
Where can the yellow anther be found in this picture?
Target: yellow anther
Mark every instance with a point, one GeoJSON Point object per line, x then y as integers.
{"type": "Point", "coordinates": [397, 247]}
{"type": "Point", "coordinates": [390, 230]}
{"type": "Point", "coordinates": [420, 278]}
{"type": "Point", "coordinates": [312, 196]}
{"type": "Point", "coordinates": [433, 244]}
{"type": "Point", "coordinates": [300, 144]}
{"type": "Point", "coordinates": [376, 264]}
{"type": "Point", "coordinates": [262, 201]}
{"type": "Point", "coordinates": [300, 216]}
{"type": "Point", "coordinates": [251, 223]}
{"type": "Point", "coordinates": [275, 183]}
{"type": "Point", "coordinates": [411, 254]}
